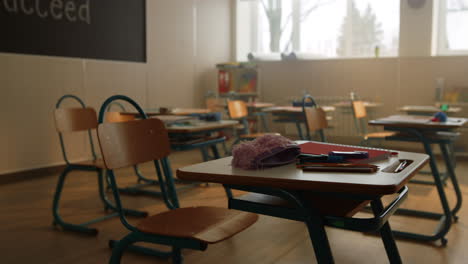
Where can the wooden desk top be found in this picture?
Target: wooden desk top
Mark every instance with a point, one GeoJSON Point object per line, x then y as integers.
{"type": "Point", "coordinates": [259, 105]}
{"type": "Point", "coordinates": [430, 109]}
{"type": "Point", "coordinates": [174, 111]}
{"type": "Point", "coordinates": [170, 119]}
{"type": "Point", "coordinates": [201, 126]}
{"type": "Point", "coordinates": [289, 177]}
{"type": "Point", "coordinates": [256, 105]}
{"type": "Point", "coordinates": [294, 109]}
{"type": "Point", "coordinates": [188, 111]}
{"type": "Point", "coordinates": [416, 121]}
{"type": "Point", "coordinates": [366, 104]}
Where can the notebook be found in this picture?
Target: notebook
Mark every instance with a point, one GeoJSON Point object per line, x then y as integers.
{"type": "Point", "coordinates": [318, 148]}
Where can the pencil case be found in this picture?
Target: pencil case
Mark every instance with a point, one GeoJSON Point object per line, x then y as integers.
{"type": "Point", "coordinates": [265, 152]}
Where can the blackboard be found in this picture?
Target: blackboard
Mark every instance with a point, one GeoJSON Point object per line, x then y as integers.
{"type": "Point", "coordinates": [98, 29]}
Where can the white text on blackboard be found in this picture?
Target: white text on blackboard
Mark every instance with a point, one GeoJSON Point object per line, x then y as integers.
{"type": "Point", "coordinates": [70, 10]}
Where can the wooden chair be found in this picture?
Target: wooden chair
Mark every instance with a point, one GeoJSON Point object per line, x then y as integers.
{"type": "Point", "coordinates": [134, 142]}
{"type": "Point", "coordinates": [68, 120]}
{"type": "Point", "coordinates": [360, 120]}
{"type": "Point", "coordinates": [315, 118]}
{"type": "Point", "coordinates": [238, 110]}
{"type": "Point", "coordinates": [214, 104]}
{"type": "Point", "coordinates": [142, 181]}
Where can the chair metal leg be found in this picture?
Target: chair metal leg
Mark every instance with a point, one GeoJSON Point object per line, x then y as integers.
{"type": "Point", "coordinates": [204, 153]}
{"type": "Point", "coordinates": [143, 250]}
{"type": "Point", "coordinates": [451, 173]}
{"type": "Point", "coordinates": [142, 178]}
{"type": "Point", "coordinates": [108, 205]}
{"type": "Point", "coordinates": [386, 234]}
{"type": "Point", "coordinates": [55, 209]}
{"type": "Point", "coordinates": [215, 151]}
{"type": "Point", "coordinates": [264, 122]}
{"type": "Point", "coordinates": [118, 247]}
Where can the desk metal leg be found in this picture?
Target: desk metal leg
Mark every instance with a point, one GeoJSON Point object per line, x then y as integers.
{"type": "Point", "coordinates": [299, 131]}
{"type": "Point", "coordinates": [319, 239]}
{"type": "Point", "coordinates": [386, 234]}
{"type": "Point", "coordinates": [446, 217]}
{"type": "Point", "coordinates": [451, 172]}
{"type": "Point", "coordinates": [318, 235]}
{"type": "Point", "coordinates": [215, 151]}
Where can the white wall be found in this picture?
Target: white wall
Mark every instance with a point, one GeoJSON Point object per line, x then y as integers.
{"type": "Point", "coordinates": [416, 29]}
{"type": "Point", "coordinates": [185, 39]}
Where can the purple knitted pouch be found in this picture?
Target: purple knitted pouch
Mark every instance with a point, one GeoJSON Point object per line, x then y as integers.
{"type": "Point", "coordinates": [265, 152]}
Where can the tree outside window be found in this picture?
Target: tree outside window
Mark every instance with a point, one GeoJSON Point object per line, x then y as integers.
{"type": "Point", "coordinates": [321, 28]}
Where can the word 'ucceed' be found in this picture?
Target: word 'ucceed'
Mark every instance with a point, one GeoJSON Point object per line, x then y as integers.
{"type": "Point", "coordinates": [69, 10]}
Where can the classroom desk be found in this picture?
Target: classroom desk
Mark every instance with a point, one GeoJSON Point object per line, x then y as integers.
{"type": "Point", "coordinates": [304, 192]}
{"type": "Point", "coordinates": [255, 109]}
{"type": "Point", "coordinates": [253, 105]}
{"type": "Point", "coordinates": [292, 114]}
{"type": "Point", "coordinates": [184, 135]}
{"type": "Point", "coordinates": [347, 104]}
{"type": "Point", "coordinates": [171, 119]}
{"type": "Point", "coordinates": [421, 129]}
{"type": "Point", "coordinates": [174, 111]}
{"type": "Point", "coordinates": [200, 126]}
{"type": "Point", "coordinates": [426, 109]}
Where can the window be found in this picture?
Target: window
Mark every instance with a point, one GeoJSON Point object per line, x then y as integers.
{"type": "Point", "coordinates": [318, 28]}
{"type": "Point", "coordinates": [451, 27]}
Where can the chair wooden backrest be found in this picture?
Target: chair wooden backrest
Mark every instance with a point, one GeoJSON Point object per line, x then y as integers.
{"type": "Point", "coordinates": [359, 109]}
{"type": "Point", "coordinates": [316, 119]}
{"type": "Point", "coordinates": [115, 117]}
{"type": "Point", "coordinates": [125, 144]}
{"type": "Point", "coordinates": [360, 114]}
{"type": "Point", "coordinates": [314, 116]}
{"type": "Point", "coordinates": [214, 104]}
{"type": "Point", "coordinates": [237, 109]}
{"type": "Point", "coordinates": [75, 119]}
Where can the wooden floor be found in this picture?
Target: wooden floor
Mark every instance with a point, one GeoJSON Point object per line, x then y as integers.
{"type": "Point", "coordinates": [27, 235]}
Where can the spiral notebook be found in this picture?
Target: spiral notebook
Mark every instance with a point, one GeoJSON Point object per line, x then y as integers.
{"type": "Point", "coordinates": [318, 148]}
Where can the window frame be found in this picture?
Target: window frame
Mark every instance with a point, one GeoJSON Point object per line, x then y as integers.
{"type": "Point", "coordinates": [440, 24]}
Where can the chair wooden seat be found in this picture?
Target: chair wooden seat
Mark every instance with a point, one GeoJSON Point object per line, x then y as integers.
{"type": "Point", "coordinates": [206, 224]}
{"type": "Point", "coordinates": [256, 135]}
{"type": "Point", "coordinates": [98, 163]}
{"type": "Point", "coordinates": [379, 135]}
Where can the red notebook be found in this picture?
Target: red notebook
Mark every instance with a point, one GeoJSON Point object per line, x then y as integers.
{"type": "Point", "coordinates": [318, 148]}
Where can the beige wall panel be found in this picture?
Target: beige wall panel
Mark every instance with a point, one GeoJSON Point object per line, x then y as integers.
{"type": "Point", "coordinates": [106, 78]}
{"type": "Point", "coordinates": [34, 84]}
{"type": "Point", "coordinates": [213, 44]}
{"type": "Point", "coordinates": [371, 79]}
{"type": "Point", "coordinates": [417, 85]}
{"type": "Point", "coordinates": [170, 34]}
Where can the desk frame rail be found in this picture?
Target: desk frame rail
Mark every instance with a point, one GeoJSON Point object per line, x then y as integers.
{"type": "Point", "coordinates": [448, 215]}
{"type": "Point", "coordinates": [303, 210]}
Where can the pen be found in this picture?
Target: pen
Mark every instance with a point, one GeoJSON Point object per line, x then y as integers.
{"type": "Point", "coordinates": [336, 165]}
{"type": "Point", "coordinates": [401, 166]}
{"type": "Point", "coordinates": [339, 169]}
